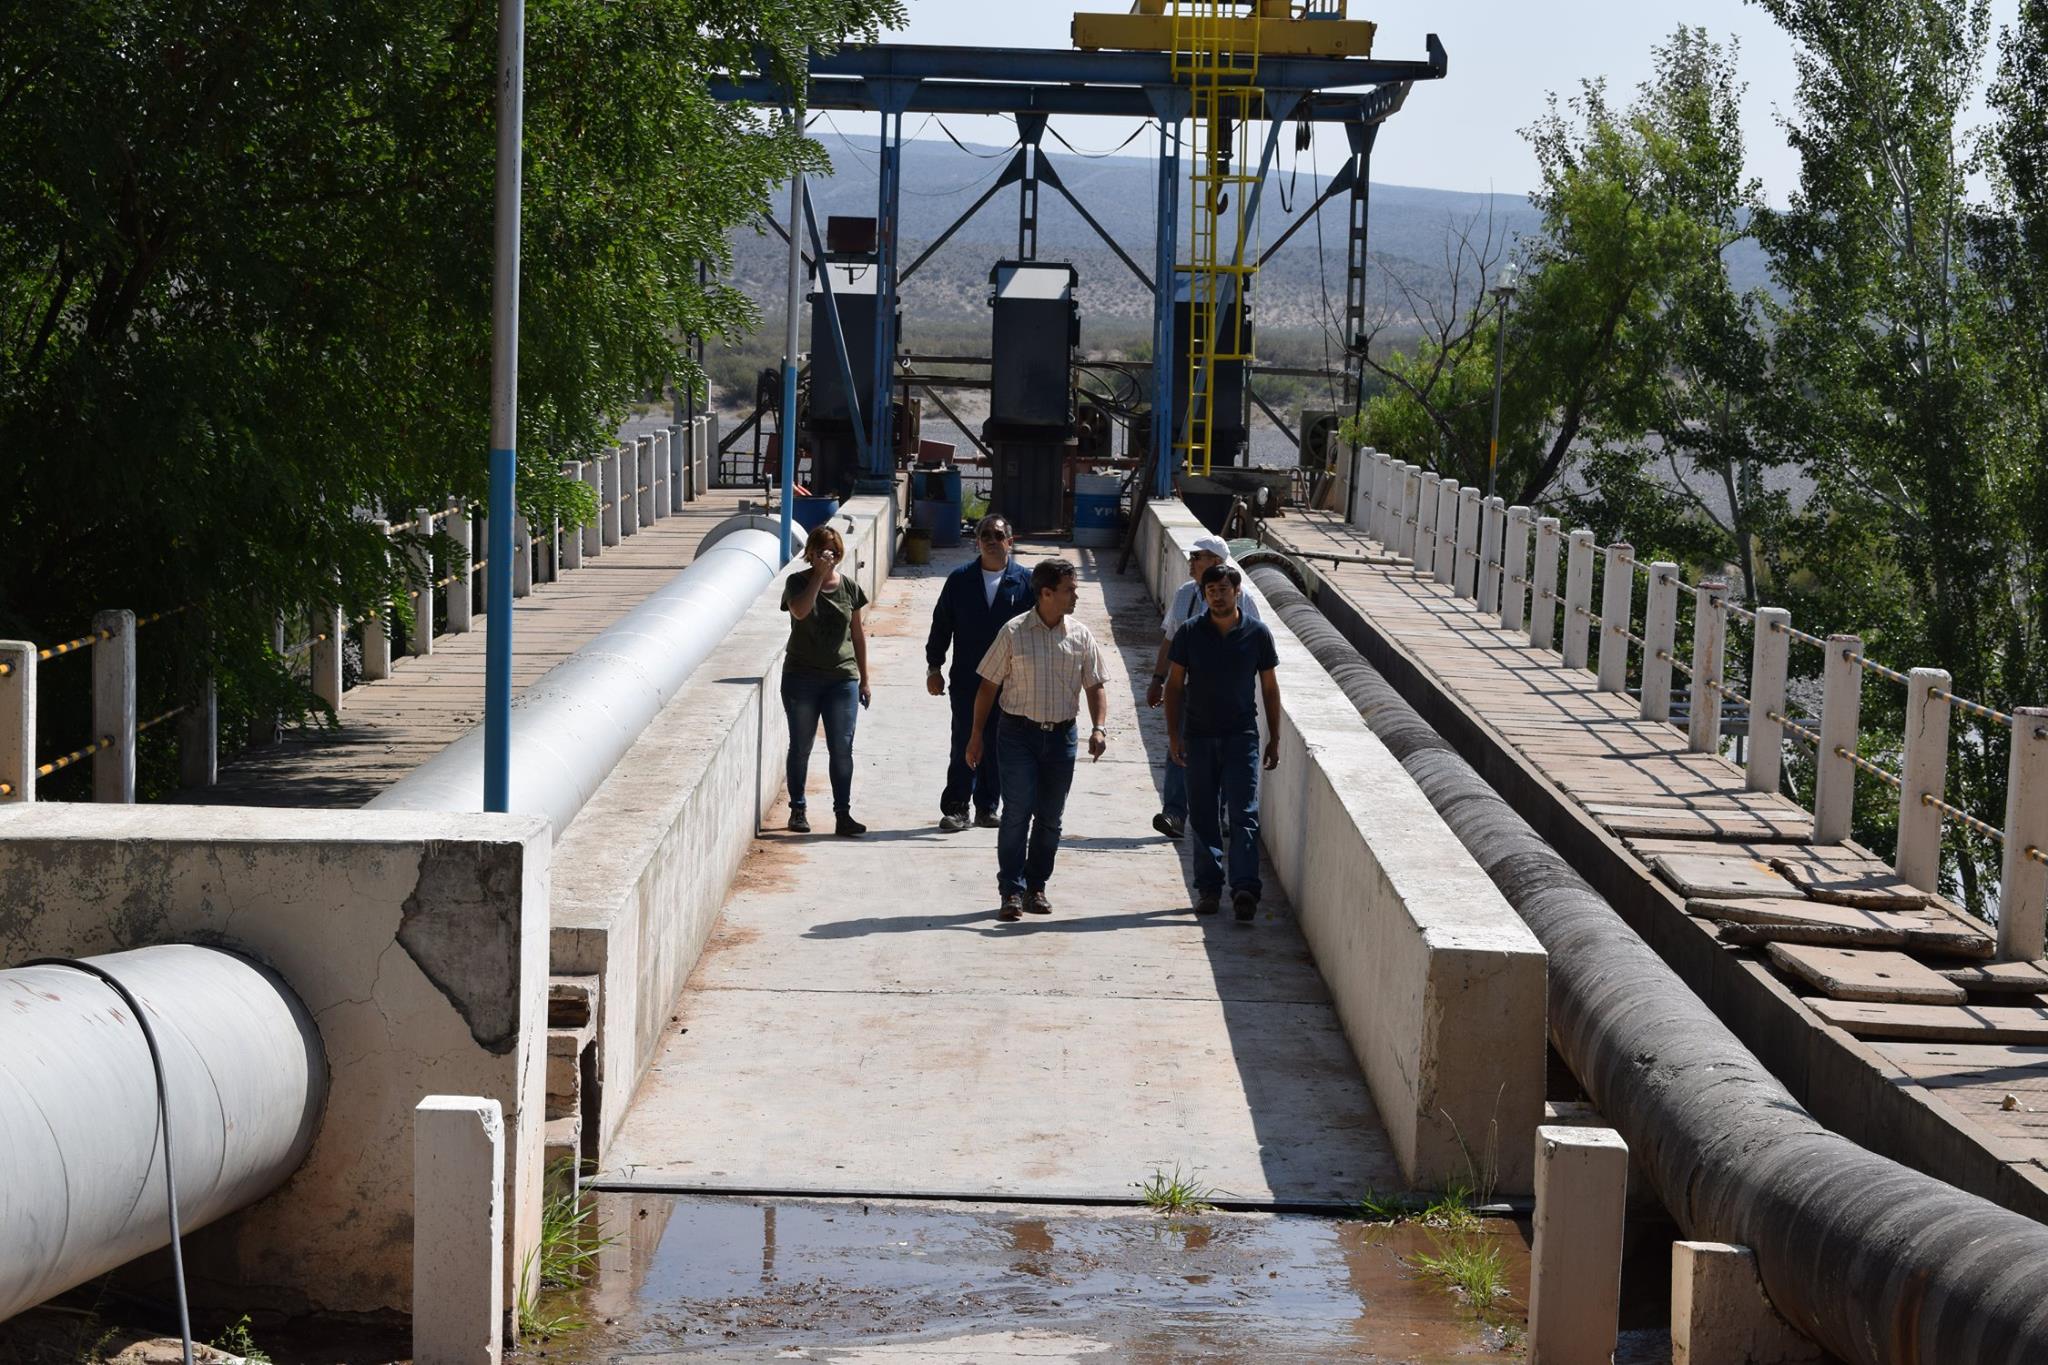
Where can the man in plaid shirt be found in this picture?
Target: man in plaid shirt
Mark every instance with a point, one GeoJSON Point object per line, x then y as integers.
{"type": "Point", "coordinates": [1041, 663]}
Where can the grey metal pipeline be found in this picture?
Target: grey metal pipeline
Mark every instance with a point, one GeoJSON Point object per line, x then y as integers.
{"type": "Point", "coordinates": [81, 1161]}
{"type": "Point", "coordinates": [1876, 1261]}
{"type": "Point", "coordinates": [570, 727]}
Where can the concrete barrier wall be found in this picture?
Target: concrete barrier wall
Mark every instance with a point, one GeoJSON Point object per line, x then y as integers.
{"type": "Point", "coordinates": [418, 942]}
{"type": "Point", "coordinates": [1439, 984]}
{"type": "Point", "coordinates": [643, 870]}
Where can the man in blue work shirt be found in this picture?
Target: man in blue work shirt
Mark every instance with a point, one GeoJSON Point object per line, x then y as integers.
{"type": "Point", "coordinates": [1216, 662]}
{"type": "Point", "coordinates": [978, 598]}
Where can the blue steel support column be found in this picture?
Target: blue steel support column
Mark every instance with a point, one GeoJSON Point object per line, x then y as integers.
{"type": "Point", "coordinates": [504, 457]}
{"type": "Point", "coordinates": [787, 429]}
{"type": "Point", "coordinates": [1168, 104]}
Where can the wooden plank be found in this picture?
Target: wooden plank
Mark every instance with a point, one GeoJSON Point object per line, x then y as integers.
{"type": "Point", "coordinates": [1963, 1023]}
{"type": "Point", "coordinates": [2001, 978]}
{"type": "Point", "coordinates": [1846, 879]}
{"type": "Point", "coordinates": [1720, 874]}
{"type": "Point", "coordinates": [1865, 974]}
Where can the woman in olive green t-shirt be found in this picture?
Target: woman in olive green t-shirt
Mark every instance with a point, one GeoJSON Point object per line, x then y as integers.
{"type": "Point", "coordinates": [824, 674]}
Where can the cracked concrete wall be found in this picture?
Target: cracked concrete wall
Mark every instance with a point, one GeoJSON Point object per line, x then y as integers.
{"type": "Point", "coordinates": [1438, 982]}
{"type": "Point", "coordinates": [419, 943]}
{"type": "Point", "coordinates": [643, 871]}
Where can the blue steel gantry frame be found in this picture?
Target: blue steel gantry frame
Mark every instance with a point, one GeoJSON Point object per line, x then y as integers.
{"type": "Point", "coordinates": [893, 79]}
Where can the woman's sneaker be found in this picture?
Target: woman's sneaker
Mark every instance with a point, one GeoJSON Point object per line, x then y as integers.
{"type": "Point", "coordinates": [846, 827]}
{"type": "Point", "coordinates": [952, 822]}
{"type": "Point", "coordinates": [799, 823]}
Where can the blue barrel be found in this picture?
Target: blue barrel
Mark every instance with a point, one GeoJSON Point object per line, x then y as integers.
{"type": "Point", "coordinates": [1095, 509]}
{"type": "Point", "coordinates": [935, 504]}
{"type": "Point", "coordinates": [810, 513]}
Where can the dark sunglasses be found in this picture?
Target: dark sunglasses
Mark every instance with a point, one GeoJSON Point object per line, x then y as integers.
{"type": "Point", "coordinates": [993, 537]}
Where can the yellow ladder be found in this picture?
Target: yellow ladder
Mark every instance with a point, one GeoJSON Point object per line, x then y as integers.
{"type": "Point", "coordinates": [1220, 68]}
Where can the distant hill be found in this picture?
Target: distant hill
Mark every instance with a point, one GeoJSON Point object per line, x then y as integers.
{"type": "Point", "coordinates": [1410, 229]}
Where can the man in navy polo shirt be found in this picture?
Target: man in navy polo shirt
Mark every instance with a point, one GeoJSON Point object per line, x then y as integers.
{"type": "Point", "coordinates": [1216, 664]}
{"type": "Point", "coordinates": [978, 598]}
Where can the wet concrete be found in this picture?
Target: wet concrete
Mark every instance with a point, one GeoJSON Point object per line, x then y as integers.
{"type": "Point", "coordinates": [847, 1280]}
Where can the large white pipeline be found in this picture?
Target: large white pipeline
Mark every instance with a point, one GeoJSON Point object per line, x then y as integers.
{"type": "Point", "coordinates": [571, 727]}
{"type": "Point", "coordinates": [81, 1159]}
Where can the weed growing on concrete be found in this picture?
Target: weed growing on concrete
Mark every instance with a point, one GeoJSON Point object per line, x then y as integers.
{"type": "Point", "coordinates": [1374, 1207]}
{"type": "Point", "coordinates": [1176, 1193]}
{"type": "Point", "coordinates": [1469, 1263]}
{"type": "Point", "coordinates": [569, 1245]}
{"type": "Point", "coordinates": [1452, 1210]}
{"type": "Point", "coordinates": [236, 1341]}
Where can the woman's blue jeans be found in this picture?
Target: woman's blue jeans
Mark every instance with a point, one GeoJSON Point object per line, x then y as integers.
{"type": "Point", "coordinates": [808, 698]}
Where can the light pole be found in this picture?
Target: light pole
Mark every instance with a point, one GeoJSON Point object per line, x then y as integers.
{"type": "Point", "coordinates": [1505, 292]}
{"type": "Point", "coordinates": [504, 458]}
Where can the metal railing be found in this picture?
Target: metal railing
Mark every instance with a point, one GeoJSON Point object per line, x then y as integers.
{"type": "Point", "coordinates": [1429, 522]}
{"type": "Point", "coordinates": [635, 485]}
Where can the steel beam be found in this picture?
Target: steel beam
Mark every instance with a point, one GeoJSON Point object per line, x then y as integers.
{"type": "Point", "coordinates": [978, 97]}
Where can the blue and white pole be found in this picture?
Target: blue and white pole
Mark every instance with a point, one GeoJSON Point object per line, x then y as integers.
{"type": "Point", "coordinates": [504, 408]}
{"type": "Point", "coordinates": [796, 268]}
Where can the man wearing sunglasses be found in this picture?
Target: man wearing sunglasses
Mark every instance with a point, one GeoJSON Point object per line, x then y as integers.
{"type": "Point", "coordinates": [979, 597]}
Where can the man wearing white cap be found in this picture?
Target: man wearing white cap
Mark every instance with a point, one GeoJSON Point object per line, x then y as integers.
{"type": "Point", "coordinates": [1186, 605]}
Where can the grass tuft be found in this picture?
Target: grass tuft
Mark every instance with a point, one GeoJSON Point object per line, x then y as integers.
{"type": "Point", "coordinates": [569, 1245]}
{"type": "Point", "coordinates": [1470, 1264]}
{"type": "Point", "coordinates": [1176, 1193]}
{"type": "Point", "coordinates": [236, 1341]}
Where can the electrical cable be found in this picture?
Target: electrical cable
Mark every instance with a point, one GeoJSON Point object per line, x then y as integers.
{"type": "Point", "coordinates": [163, 1112]}
{"type": "Point", "coordinates": [1095, 156]}
{"type": "Point", "coordinates": [978, 156]}
{"type": "Point", "coordinates": [1322, 276]}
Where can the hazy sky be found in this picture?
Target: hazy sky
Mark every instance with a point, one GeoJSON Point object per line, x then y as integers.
{"type": "Point", "coordinates": [1460, 133]}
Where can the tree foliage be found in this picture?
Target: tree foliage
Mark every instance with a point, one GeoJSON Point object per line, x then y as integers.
{"type": "Point", "coordinates": [245, 263]}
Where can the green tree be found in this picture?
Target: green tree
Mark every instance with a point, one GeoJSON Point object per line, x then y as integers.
{"type": "Point", "coordinates": [1893, 328]}
{"type": "Point", "coordinates": [245, 259]}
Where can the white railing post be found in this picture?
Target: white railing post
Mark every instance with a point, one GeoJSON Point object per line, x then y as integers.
{"type": "Point", "coordinates": [2023, 878]}
{"type": "Point", "coordinates": [522, 558]}
{"type": "Point", "coordinates": [327, 657]}
{"type": "Point", "coordinates": [1543, 586]}
{"type": "Point", "coordinates": [1413, 495]}
{"type": "Point", "coordinates": [17, 721]}
{"type": "Point", "coordinates": [1660, 635]}
{"type": "Point", "coordinates": [481, 532]}
{"type": "Point", "coordinates": [1924, 770]}
{"type": "Point", "coordinates": [629, 489]}
{"type": "Point", "coordinates": [658, 452]}
{"type": "Point", "coordinates": [1514, 571]}
{"type": "Point", "coordinates": [1617, 599]}
{"type": "Point", "coordinates": [1465, 565]}
{"type": "Point", "coordinates": [572, 539]}
{"type": "Point", "coordinates": [199, 734]}
{"type": "Point", "coordinates": [608, 497]}
{"type": "Point", "coordinates": [1578, 597]}
{"type": "Point", "coordinates": [700, 459]}
{"type": "Point", "coordinates": [377, 630]}
{"type": "Point", "coordinates": [113, 706]}
{"type": "Point", "coordinates": [678, 452]}
{"type": "Point", "coordinates": [593, 530]}
{"type": "Point", "coordinates": [419, 641]}
{"type": "Point", "coordinates": [1770, 656]}
{"type": "Point", "coordinates": [643, 460]}
{"type": "Point", "coordinates": [1841, 708]}
{"type": "Point", "coordinates": [1492, 512]}
{"type": "Point", "coordinates": [1446, 568]}
{"type": "Point", "coordinates": [1709, 649]}
{"type": "Point", "coordinates": [460, 600]}
{"type": "Point", "coordinates": [1425, 525]}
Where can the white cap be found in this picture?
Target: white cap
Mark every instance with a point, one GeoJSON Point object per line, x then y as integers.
{"type": "Point", "coordinates": [1209, 545]}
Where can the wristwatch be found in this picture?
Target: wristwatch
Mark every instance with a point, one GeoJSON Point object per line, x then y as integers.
{"type": "Point", "coordinates": [1100, 730]}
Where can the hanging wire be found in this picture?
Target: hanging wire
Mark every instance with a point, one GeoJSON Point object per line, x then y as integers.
{"type": "Point", "coordinates": [1094, 156]}
{"type": "Point", "coordinates": [982, 156]}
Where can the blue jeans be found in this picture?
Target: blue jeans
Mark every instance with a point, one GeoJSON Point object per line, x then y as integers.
{"type": "Point", "coordinates": [983, 782]}
{"type": "Point", "coordinates": [1038, 769]}
{"type": "Point", "coordinates": [808, 698]}
{"type": "Point", "coordinates": [1224, 770]}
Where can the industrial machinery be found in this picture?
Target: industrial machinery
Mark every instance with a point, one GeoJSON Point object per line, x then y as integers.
{"type": "Point", "coordinates": [1030, 428]}
{"type": "Point", "coordinates": [1318, 433]}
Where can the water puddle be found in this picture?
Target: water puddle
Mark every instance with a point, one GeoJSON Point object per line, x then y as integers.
{"type": "Point", "coordinates": [846, 1280]}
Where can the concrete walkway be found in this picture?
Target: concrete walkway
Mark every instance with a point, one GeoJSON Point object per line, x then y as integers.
{"type": "Point", "coordinates": [861, 1023]}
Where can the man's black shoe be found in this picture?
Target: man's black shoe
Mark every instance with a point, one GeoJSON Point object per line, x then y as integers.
{"type": "Point", "coordinates": [799, 823]}
{"type": "Point", "coordinates": [1245, 905]}
{"type": "Point", "coordinates": [846, 827]}
{"type": "Point", "coordinates": [1167, 825]}
{"type": "Point", "coordinates": [1013, 907]}
{"type": "Point", "coordinates": [1208, 903]}
{"type": "Point", "coordinates": [952, 822]}
{"type": "Point", "coordinates": [988, 819]}
{"type": "Point", "coordinates": [1037, 903]}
